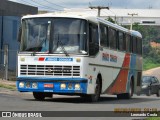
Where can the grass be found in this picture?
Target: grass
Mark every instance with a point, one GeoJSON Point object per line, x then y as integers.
{"type": "Point", "coordinates": [11, 87]}
{"type": "Point", "coordinates": [149, 64]}
{"type": "Point", "coordinates": [153, 118]}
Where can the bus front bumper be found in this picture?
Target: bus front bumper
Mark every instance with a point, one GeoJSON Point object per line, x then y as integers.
{"type": "Point", "coordinates": [54, 85]}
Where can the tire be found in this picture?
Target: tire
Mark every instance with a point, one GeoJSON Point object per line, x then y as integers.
{"type": "Point", "coordinates": [130, 94]}
{"type": "Point", "coordinates": [127, 95]}
{"type": "Point", "coordinates": [95, 97]}
{"type": "Point", "coordinates": [149, 92]}
{"type": "Point", "coordinates": [158, 93]}
{"type": "Point", "coordinates": [39, 96]}
{"type": "Point", "coordinates": [121, 96]}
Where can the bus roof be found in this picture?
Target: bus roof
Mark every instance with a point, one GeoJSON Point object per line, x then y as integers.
{"type": "Point", "coordinates": [85, 17]}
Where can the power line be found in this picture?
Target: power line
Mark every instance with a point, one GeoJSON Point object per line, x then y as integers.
{"type": "Point", "coordinates": [105, 12]}
{"type": "Point", "coordinates": [61, 2]}
{"type": "Point", "coordinates": [53, 3]}
{"type": "Point", "coordinates": [31, 4]}
{"type": "Point", "coordinates": [45, 5]}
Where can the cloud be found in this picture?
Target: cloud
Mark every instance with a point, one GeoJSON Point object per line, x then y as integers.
{"type": "Point", "coordinates": [130, 4]}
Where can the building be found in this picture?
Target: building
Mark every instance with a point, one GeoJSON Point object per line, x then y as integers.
{"type": "Point", "coordinates": [123, 16]}
{"type": "Point", "coordinates": [10, 17]}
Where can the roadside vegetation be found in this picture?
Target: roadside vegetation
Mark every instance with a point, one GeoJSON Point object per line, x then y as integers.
{"type": "Point", "coordinates": [11, 87]}
{"type": "Point", "coordinates": [151, 54]}
{"type": "Point", "coordinates": [153, 118]}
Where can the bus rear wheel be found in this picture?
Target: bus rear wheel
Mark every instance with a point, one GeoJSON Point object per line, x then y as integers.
{"type": "Point", "coordinates": [130, 94]}
{"type": "Point", "coordinates": [127, 95]}
{"type": "Point", "coordinates": [39, 95]}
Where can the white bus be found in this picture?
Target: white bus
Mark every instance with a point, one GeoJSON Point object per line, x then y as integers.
{"type": "Point", "coordinates": [81, 55]}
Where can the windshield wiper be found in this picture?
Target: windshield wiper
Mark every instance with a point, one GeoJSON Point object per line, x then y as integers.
{"type": "Point", "coordinates": [62, 47]}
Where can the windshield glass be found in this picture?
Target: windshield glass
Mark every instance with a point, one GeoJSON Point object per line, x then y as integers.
{"type": "Point", "coordinates": [146, 79]}
{"type": "Point", "coordinates": [35, 35]}
{"type": "Point", "coordinates": [54, 35]}
{"type": "Point", "coordinates": [70, 34]}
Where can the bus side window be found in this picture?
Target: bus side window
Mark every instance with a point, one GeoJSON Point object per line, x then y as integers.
{"type": "Point", "coordinates": [134, 44]}
{"type": "Point", "coordinates": [124, 42]}
{"type": "Point", "coordinates": [112, 38]}
{"type": "Point", "coordinates": [121, 41]}
{"type": "Point", "coordinates": [139, 46]}
{"type": "Point", "coordinates": [93, 39]}
{"type": "Point", "coordinates": [131, 44]}
{"type": "Point", "coordinates": [128, 49]}
{"type": "Point", "coordinates": [104, 36]}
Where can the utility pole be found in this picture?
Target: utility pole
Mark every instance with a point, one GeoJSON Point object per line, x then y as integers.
{"type": "Point", "coordinates": [132, 14]}
{"type": "Point", "coordinates": [2, 28]}
{"type": "Point", "coordinates": [99, 9]}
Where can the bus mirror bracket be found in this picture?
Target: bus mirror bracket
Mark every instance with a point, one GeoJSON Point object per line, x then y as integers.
{"type": "Point", "coordinates": [19, 34]}
{"type": "Point", "coordinates": [101, 48]}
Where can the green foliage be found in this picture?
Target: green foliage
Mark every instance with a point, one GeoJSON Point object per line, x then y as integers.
{"type": "Point", "coordinates": [11, 87]}
{"type": "Point", "coordinates": [110, 20]}
{"type": "Point", "coordinates": [148, 63]}
{"type": "Point", "coordinates": [151, 56]}
{"type": "Point", "coordinates": [153, 118]}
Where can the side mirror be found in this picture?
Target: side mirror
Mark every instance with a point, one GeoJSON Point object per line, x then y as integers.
{"type": "Point", "coordinates": [100, 48]}
{"type": "Point", "coordinates": [19, 34]}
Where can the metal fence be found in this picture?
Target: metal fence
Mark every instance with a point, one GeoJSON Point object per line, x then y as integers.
{"type": "Point", "coordinates": [8, 64]}
{"type": "Point", "coordinates": [2, 68]}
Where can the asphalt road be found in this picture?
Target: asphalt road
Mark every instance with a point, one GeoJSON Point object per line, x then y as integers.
{"type": "Point", "coordinates": [15, 101]}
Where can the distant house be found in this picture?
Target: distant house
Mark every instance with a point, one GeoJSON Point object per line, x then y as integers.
{"type": "Point", "coordinates": [10, 17]}
{"type": "Point", "coordinates": [155, 45]}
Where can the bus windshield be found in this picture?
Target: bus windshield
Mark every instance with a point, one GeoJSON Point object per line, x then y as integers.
{"type": "Point", "coordinates": [54, 35]}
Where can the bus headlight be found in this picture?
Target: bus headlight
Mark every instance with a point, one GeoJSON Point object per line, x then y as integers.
{"type": "Point", "coordinates": [28, 85]}
{"type": "Point", "coordinates": [34, 85]}
{"type": "Point", "coordinates": [63, 86]}
{"type": "Point", "coordinates": [21, 85]}
{"type": "Point", "coordinates": [77, 86]}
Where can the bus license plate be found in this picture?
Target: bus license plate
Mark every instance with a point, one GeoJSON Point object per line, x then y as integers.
{"type": "Point", "coordinates": [48, 85]}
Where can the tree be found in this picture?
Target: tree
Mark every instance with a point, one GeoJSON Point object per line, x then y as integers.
{"type": "Point", "coordinates": [149, 33]}
{"type": "Point", "coordinates": [110, 20]}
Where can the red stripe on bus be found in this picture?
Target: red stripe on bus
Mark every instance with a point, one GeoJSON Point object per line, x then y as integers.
{"type": "Point", "coordinates": [119, 85]}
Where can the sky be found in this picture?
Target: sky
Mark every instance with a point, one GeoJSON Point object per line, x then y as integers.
{"type": "Point", "coordinates": [54, 5]}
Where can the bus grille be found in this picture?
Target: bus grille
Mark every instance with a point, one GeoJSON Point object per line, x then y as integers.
{"type": "Point", "coordinates": [50, 70]}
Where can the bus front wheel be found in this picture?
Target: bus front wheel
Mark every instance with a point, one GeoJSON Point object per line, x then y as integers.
{"type": "Point", "coordinates": [95, 97]}
{"type": "Point", "coordinates": [39, 95]}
